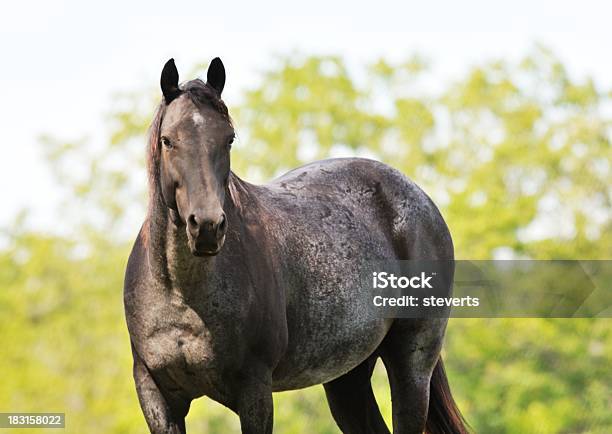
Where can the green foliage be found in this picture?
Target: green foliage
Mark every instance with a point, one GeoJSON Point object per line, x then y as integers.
{"type": "Point", "coordinates": [64, 343]}
{"type": "Point", "coordinates": [532, 375]}
{"type": "Point", "coordinates": [517, 156]}
{"type": "Point", "coordinates": [502, 139]}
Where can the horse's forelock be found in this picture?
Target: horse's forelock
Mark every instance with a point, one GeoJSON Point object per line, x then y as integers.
{"type": "Point", "coordinates": [203, 94]}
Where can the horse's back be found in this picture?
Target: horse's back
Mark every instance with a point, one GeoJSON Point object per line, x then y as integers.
{"type": "Point", "coordinates": [358, 196]}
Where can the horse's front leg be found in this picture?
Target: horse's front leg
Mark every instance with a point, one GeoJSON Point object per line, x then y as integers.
{"type": "Point", "coordinates": [163, 416]}
{"type": "Point", "coordinates": [254, 404]}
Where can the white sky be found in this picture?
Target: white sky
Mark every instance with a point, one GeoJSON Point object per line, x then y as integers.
{"type": "Point", "coordinates": [62, 60]}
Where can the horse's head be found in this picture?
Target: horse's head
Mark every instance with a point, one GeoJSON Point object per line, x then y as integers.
{"type": "Point", "coordinates": [195, 136]}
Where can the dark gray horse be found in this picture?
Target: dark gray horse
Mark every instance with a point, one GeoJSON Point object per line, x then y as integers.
{"type": "Point", "coordinates": [235, 291]}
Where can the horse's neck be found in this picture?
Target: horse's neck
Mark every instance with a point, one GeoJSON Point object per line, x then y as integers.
{"type": "Point", "coordinates": [170, 259]}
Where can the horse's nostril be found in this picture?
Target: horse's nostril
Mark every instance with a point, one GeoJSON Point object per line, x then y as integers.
{"type": "Point", "coordinates": [201, 226]}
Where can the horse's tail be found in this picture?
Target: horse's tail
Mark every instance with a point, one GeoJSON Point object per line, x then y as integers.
{"type": "Point", "coordinates": [443, 417]}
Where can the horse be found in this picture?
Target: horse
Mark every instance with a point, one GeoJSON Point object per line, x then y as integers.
{"type": "Point", "coordinates": [234, 290]}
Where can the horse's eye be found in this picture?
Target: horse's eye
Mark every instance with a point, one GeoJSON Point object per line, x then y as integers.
{"type": "Point", "coordinates": [166, 142]}
{"type": "Point", "coordinates": [229, 142]}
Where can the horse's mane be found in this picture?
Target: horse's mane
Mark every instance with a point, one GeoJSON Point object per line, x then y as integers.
{"type": "Point", "coordinates": [202, 95]}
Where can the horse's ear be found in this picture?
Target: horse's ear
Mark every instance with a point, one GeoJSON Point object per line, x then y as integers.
{"type": "Point", "coordinates": [169, 81]}
{"type": "Point", "coordinates": [215, 77]}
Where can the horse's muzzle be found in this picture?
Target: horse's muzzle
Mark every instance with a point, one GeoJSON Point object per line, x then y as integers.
{"type": "Point", "coordinates": [206, 235]}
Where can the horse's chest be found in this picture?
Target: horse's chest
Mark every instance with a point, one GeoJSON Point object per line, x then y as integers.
{"type": "Point", "coordinates": [179, 346]}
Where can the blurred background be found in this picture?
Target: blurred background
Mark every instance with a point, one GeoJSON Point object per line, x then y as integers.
{"type": "Point", "coordinates": [501, 111]}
